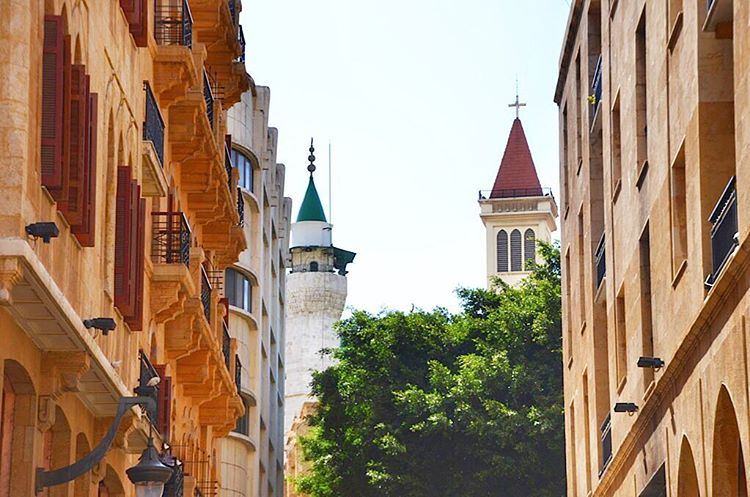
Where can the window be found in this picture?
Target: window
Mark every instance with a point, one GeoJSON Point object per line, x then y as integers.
{"type": "Point", "coordinates": [238, 290]}
{"type": "Point", "coordinates": [647, 336]}
{"type": "Point", "coordinates": [243, 422]}
{"type": "Point", "coordinates": [515, 251]}
{"type": "Point", "coordinates": [567, 308]}
{"type": "Point", "coordinates": [581, 269]}
{"type": "Point", "coordinates": [587, 431]}
{"type": "Point", "coordinates": [621, 337]}
{"type": "Point", "coordinates": [579, 114]}
{"type": "Point", "coordinates": [564, 154]}
{"type": "Point", "coordinates": [679, 210]}
{"type": "Point", "coordinates": [245, 167]}
{"type": "Point", "coordinates": [573, 469]}
{"type": "Point", "coordinates": [502, 251]}
{"type": "Point", "coordinates": [529, 247]}
{"type": "Point", "coordinates": [641, 94]}
{"type": "Point", "coordinates": [616, 148]}
{"type": "Point", "coordinates": [313, 267]}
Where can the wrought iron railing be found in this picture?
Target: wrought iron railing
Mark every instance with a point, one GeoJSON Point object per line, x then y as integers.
{"type": "Point", "coordinates": [238, 373]}
{"type": "Point", "coordinates": [153, 126]}
{"type": "Point", "coordinates": [241, 38]}
{"type": "Point", "coordinates": [515, 193]}
{"type": "Point", "coordinates": [723, 221]}
{"type": "Point", "coordinates": [170, 238]}
{"type": "Point", "coordinates": [228, 166]}
{"type": "Point", "coordinates": [596, 82]}
{"type": "Point", "coordinates": [243, 424]}
{"type": "Point", "coordinates": [206, 294]}
{"type": "Point", "coordinates": [144, 389]}
{"type": "Point", "coordinates": [225, 345]}
{"type": "Point", "coordinates": [208, 96]}
{"type": "Point", "coordinates": [606, 440]}
{"type": "Point", "coordinates": [175, 485]}
{"type": "Point", "coordinates": [173, 24]}
{"type": "Point", "coordinates": [233, 10]}
{"type": "Point", "coordinates": [240, 206]}
{"type": "Point", "coordinates": [601, 261]}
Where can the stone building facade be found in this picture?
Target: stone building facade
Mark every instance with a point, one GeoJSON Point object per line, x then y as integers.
{"type": "Point", "coordinates": [655, 162]}
{"type": "Point", "coordinates": [113, 138]}
{"type": "Point", "coordinates": [252, 456]}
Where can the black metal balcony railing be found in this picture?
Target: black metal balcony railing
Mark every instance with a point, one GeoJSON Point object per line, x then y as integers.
{"type": "Point", "coordinates": [240, 206]}
{"type": "Point", "coordinates": [243, 424]}
{"type": "Point", "coordinates": [233, 10]}
{"type": "Point", "coordinates": [515, 193]}
{"type": "Point", "coordinates": [596, 83]}
{"type": "Point", "coordinates": [148, 373]}
{"type": "Point", "coordinates": [175, 485]}
{"type": "Point", "coordinates": [153, 126]}
{"type": "Point", "coordinates": [723, 221]}
{"type": "Point", "coordinates": [241, 38]}
{"type": "Point", "coordinates": [238, 373]}
{"type": "Point", "coordinates": [173, 24]}
{"type": "Point", "coordinates": [601, 261]}
{"type": "Point", "coordinates": [225, 345]}
{"type": "Point", "coordinates": [208, 96]}
{"type": "Point", "coordinates": [206, 294]}
{"type": "Point", "coordinates": [606, 439]}
{"type": "Point", "coordinates": [228, 166]}
{"type": "Point", "coordinates": [170, 240]}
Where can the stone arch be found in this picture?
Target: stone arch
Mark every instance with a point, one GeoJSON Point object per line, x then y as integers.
{"type": "Point", "coordinates": [57, 450]}
{"type": "Point", "coordinates": [81, 484]}
{"type": "Point", "coordinates": [728, 470]}
{"type": "Point", "coordinates": [18, 414]}
{"type": "Point", "coordinates": [687, 476]}
{"type": "Point", "coordinates": [111, 485]}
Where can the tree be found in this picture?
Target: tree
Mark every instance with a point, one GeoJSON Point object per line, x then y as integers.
{"type": "Point", "coordinates": [429, 404]}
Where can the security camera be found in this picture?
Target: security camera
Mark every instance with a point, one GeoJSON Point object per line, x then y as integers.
{"type": "Point", "coordinates": [46, 231]}
{"type": "Point", "coordinates": [627, 407]}
{"type": "Point", "coordinates": [650, 362]}
{"type": "Point", "coordinates": [105, 325]}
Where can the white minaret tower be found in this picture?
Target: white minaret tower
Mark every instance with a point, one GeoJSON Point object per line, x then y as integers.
{"type": "Point", "coordinates": [315, 297]}
{"type": "Point", "coordinates": [517, 212]}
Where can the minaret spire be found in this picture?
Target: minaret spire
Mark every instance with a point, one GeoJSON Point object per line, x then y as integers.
{"type": "Point", "coordinates": [311, 158]}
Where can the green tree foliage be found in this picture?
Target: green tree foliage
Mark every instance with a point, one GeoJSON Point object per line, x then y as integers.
{"type": "Point", "coordinates": [429, 404]}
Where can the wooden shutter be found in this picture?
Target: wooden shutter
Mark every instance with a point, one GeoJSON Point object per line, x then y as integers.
{"type": "Point", "coordinates": [73, 177]}
{"type": "Point", "coordinates": [139, 222]}
{"type": "Point", "coordinates": [52, 102]}
{"type": "Point", "coordinates": [85, 231]}
{"type": "Point", "coordinates": [123, 244]}
{"type": "Point", "coordinates": [135, 13]}
{"type": "Point", "coordinates": [164, 403]}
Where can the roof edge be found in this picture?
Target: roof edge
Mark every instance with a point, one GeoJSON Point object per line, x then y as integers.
{"type": "Point", "coordinates": [571, 31]}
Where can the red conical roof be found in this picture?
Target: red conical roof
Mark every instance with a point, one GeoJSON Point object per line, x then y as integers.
{"type": "Point", "coordinates": [517, 175]}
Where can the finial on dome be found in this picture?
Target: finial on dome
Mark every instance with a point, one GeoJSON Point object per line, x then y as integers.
{"type": "Point", "coordinates": [311, 158]}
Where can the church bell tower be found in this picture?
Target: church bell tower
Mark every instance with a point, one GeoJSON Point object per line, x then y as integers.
{"type": "Point", "coordinates": [517, 212]}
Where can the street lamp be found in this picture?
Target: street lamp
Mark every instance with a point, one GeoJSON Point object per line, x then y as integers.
{"type": "Point", "coordinates": [149, 475]}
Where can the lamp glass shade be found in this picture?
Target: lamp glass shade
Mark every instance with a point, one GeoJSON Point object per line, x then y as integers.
{"type": "Point", "coordinates": [149, 489]}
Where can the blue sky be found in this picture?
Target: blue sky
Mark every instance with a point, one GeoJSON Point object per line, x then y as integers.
{"type": "Point", "coordinates": [413, 96]}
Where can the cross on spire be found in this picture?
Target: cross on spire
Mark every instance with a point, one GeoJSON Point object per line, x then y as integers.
{"type": "Point", "coordinates": [517, 104]}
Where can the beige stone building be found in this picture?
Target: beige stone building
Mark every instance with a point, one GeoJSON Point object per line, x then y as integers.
{"type": "Point", "coordinates": [252, 456]}
{"type": "Point", "coordinates": [119, 212]}
{"type": "Point", "coordinates": [654, 100]}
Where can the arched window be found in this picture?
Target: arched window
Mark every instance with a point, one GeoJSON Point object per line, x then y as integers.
{"type": "Point", "coordinates": [238, 289]}
{"type": "Point", "coordinates": [515, 251]}
{"type": "Point", "coordinates": [245, 166]}
{"type": "Point", "coordinates": [529, 247]}
{"type": "Point", "coordinates": [313, 267]}
{"type": "Point", "coordinates": [728, 461]}
{"type": "Point", "coordinates": [502, 252]}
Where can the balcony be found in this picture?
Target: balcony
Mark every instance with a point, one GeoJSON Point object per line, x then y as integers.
{"type": "Point", "coordinates": [206, 290]}
{"type": "Point", "coordinates": [170, 238]}
{"type": "Point", "coordinates": [724, 238]}
{"type": "Point", "coordinates": [171, 282]}
{"type": "Point", "coordinates": [154, 181]}
{"type": "Point", "coordinates": [606, 441]}
{"type": "Point", "coordinates": [600, 261]}
{"type": "Point", "coordinates": [148, 373]}
{"type": "Point", "coordinates": [226, 345]}
{"type": "Point", "coordinates": [174, 66]}
{"type": "Point", "coordinates": [216, 23]}
{"type": "Point", "coordinates": [241, 57]}
{"type": "Point", "coordinates": [596, 89]}
{"type": "Point", "coordinates": [238, 373]}
{"type": "Point", "coordinates": [208, 97]}
{"type": "Point", "coordinates": [240, 207]}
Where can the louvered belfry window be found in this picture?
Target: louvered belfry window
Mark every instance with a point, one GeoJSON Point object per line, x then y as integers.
{"type": "Point", "coordinates": [529, 247]}
{"type": "Point", "coordinates": [130, 222]}
{"type": "Point", "coordinates": [515, 251]}
{"type": "Point", "coordinates": [502, 251]}
{"type": "Point", "coordinates": [69, 125]}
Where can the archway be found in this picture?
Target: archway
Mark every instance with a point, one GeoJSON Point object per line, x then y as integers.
{"type": "Point", "coordinates": [728, 472]}
{"type": "Point", "coordinates": [111, 486]}
{"type": "Point", "coordinates": [57, 446]}
{"type": "Point", "coordinates": [17, 428]}
{"type": "Point", "coordinates": [687, 477]}
{"type": "Point", "coordinates": [81, 484]}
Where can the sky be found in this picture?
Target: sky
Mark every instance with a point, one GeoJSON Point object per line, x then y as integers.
{"type": "Point", "coordinates": [413, 96]}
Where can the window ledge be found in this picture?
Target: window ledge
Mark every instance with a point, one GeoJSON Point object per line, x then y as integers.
{"type": "Point", "coordinates": [674, 32]}
{"type": "Point", "coordinates": [678, 274]}
{"type": "Point", "coordinates": [640, 176]}
{"type": "Point", "coordinates": [616, 191]}
{"type": "Point", "coordinates": [621, 385]}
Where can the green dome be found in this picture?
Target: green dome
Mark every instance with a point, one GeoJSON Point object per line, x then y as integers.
{"type": "Point", "coordinates": [311, 209]}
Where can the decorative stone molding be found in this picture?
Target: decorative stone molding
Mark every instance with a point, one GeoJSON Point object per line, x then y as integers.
{"type": "Point", "coordinates": [46, 413]}
{"type": "Point", "coordinates": [62, 372]}
{"type": "Point", "coordinates": [10, 275]}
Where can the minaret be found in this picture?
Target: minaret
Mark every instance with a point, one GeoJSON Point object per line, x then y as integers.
{"type": "Point", "coordinates": [517, 212]}
{"type": "Point", "coordinates": [316, 293]}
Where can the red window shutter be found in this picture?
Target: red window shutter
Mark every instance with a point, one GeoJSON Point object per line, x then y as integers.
{"type": "Point", "coordinates": [135, 13]}
{"type": "Point", "coordinates": [73, 177]}
{"type": "Point", "coordinates": [136, 322]}
{"type": "Point", "coordinates": [123, 244]}
{"type": "Point", "coordinates": [86, 231]}
{"type": "Point", "coordinates": [52, 102]}
{"type": "Point", "coordinates": [164, 403]}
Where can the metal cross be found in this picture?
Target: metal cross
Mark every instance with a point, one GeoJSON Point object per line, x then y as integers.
{"type": "Point", "coordinates": [517, 104]}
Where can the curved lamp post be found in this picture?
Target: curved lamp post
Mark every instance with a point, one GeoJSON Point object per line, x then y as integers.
{"type": "Point", "coordinates": [147, 475]}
